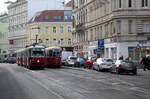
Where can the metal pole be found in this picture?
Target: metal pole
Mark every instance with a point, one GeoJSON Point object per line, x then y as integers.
{"type": "Point", "coordinates": [36, 38]}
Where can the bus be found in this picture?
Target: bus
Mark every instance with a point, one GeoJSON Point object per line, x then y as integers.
{"type": "Point", "coordinates": [32, 57]}
{"type": "Point", "coordinates": [53, 56]}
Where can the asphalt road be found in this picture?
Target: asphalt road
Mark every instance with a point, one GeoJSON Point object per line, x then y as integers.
{"type": "Point", "coordinates": [71, 83]}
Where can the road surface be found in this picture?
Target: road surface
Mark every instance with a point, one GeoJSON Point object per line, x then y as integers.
{"type": "Point", "coordinates": [71, 83]}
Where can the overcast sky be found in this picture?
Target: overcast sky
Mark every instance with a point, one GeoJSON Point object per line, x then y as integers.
{"type": "Point", "coordinates": [3, 7]}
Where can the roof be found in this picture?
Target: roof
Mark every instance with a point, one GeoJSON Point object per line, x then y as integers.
{"type": "Point", "coordinates": [69, 4]}
{"type": "Point", "coordinates": [50, 16]}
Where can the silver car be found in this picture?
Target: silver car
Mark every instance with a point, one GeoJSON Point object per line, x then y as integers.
{"type": "Point", "coordinates": [103, 64]}
{"type": "Point", "coordinates": [124, 66]}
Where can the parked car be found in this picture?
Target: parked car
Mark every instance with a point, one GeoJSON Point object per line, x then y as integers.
{"type": "Point", "coordinates": [124, 66]}
{"type": "Point", "coordinates": [79, 62]}
{"type": "Point", "coordinates": [71, 60]}
{"type": "Point", "coordinates": [64, 56]}
{"type": "Point", "coordinates": [11, 60]}
{"type": "Point", "coordinates": [103, 64]}
{"type": "Point", "coordinates": [5, 60]}
{"type": "Point", "coordinates": [89, 62]}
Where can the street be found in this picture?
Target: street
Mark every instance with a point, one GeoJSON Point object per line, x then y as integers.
{"type": "Point", "coordinates": [71, 83]}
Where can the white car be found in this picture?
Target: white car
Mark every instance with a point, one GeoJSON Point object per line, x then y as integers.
{"type": "Point", "coordinates": [71, 60]}
{"type": "Point", "coordinates": [103, 64]}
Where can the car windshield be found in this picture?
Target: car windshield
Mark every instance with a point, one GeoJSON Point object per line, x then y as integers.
{"type": "Point", "coordinates": [54, 54]}
{"type": "Point", "coordinates": [93, 58]}
{"type": "Point", "coordinates": [126, 62]}
{"type": "Point", "coordinates": [80, 59]}
{"type": "Point", "coordinates": [73, 58]}
{"type": "Point", "coordinates": [38, 54]}
{"type": "Point", "coordinates": [108, 60]}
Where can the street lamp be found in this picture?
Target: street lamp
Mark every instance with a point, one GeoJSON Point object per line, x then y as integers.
{"type": "Point", "coordinates": [36, 35]}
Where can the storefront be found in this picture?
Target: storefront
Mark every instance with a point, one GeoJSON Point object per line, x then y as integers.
{"type": "Point", "coordinates": [134, 50]}
{"type": "Point", "coordinates": [100, 49]}
{"type": "Point", "coordinates": [92, 48]}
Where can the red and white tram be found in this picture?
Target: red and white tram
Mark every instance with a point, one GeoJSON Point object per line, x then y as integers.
{"type": "Point", "coordinates": [53, 56]}
{"type": "Point", "coordinates": [33, 56]}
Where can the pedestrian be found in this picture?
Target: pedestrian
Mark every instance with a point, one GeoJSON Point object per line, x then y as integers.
{"type": "Point", "coordinates": [121, 58]}
{"type": "Point", "coordinates": [144, 63]}
{"type": "Point", "coordinates": [148, 62]}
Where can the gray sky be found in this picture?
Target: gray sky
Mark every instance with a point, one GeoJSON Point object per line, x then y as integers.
{"type": "Point", "coordinates": [3, 7]}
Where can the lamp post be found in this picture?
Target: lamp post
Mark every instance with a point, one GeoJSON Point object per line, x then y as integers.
{"type": "Point", "coordinates": [36, 35]}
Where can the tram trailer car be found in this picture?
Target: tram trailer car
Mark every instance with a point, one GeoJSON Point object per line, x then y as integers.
{"type": "Point", "coordinates": [53, 56]}
{"type": "Point", "coordinates": [32, 57]}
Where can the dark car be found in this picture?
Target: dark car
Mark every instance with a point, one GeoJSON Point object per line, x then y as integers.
{"type": "Point", "coordinates": [124, 66]}
{"type": "Point", "coordinates": [11, 60]}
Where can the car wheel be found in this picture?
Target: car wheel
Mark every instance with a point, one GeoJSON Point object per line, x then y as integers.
{"type": "Point", "coordinates": [111, 70]}
{"type": "Point", "coordinates": [134, 72]}
{"type": "Point", "coordinates": [117, 71]}
{"type": "Point", "coordinates": [93, 68]}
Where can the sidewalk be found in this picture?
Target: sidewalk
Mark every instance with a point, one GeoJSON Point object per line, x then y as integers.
{"type": "Point", "coordinates": [141, 71]}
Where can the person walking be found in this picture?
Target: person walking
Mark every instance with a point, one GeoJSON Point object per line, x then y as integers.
{"type": "Point", "coordinates": [144, 62]}
{"type": "Point", "coordinates": [148, 62]}
{"type": "Point", "coordinates": [121, 58]}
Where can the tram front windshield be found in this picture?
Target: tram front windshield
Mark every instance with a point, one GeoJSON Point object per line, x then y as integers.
{"type": "Point", "coordinates": [38, 53]}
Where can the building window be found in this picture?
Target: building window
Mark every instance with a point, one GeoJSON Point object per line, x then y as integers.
{"type": "Point", "coordinates": [130, 26]}
{"type": "Point", "coordinates": [91, 36]}
{"type": "Point", "coordinates": [69, 29]}
{"type": "Point", "coordinates": [46, 40]}
{"type": "Point", "coordinates": [54, 41]}
{"type": "Point", "coordinates": [57, 17]}
{"type": "Point", "coordinates": [144, 3]}
{"type": "Point", "coordinates": [146, 27]}
{"type": "Point", "coordinates": [46, 17]}
{"type": "Point", "coordinates": [46, 29]}
{"type": "Point", "coordinates": [62, 41]}
{"type": "Point", "coordinates": [129, 3]}
{"type": "Point", "coordinates": [69, 41]}
{"type": "Point", "coordinates": [54, 29]}
{"type": "Point", "coordinates": [120, 3]}
{"type": "Point", "coordinates": [119, 26]}
{"type": "Point", "coordinates": [61, 29]}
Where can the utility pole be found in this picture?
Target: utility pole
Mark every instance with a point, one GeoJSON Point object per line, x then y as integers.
{"type": "Point", "coordinates": [36, 35]}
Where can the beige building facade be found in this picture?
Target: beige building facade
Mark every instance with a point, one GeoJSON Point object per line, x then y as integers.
{"type": "Point", "coordinates": [122, 25]}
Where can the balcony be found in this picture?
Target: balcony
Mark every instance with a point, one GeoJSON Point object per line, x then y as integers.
{"type": "Point", "coordinates": [125, 38]}
{"type": "Point", "coordinates": [80, 28]}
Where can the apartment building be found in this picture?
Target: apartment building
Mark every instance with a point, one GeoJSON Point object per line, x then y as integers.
{"type": "Point", "coordinates": [112, 28]}
{"type": "Point", "coordinates": [17, 12]}
{"type": "Point", "coordinates": [4, 44]}
{"type": "Point", "coordinates": [20, 12]}
{"type": "Point", "coordinates": [51, 28]}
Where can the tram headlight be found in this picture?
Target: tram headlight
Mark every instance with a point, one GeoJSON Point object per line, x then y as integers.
{"type": "Point", "coordinates": [38, 61]}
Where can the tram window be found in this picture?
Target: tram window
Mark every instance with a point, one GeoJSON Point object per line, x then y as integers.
{"type": "Point", "coordinates": [50, 53]}
{"type": "Point", "coordinates": [56, 54]}
{"type": "Point", "coordinates": [38, 53]}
